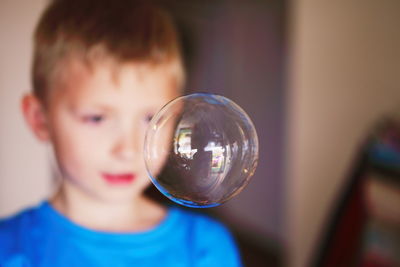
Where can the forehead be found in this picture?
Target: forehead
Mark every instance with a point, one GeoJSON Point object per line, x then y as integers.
{"type": "Point", "coordinates": [141, 83]}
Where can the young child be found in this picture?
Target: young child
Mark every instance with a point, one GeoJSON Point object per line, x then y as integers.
{"type": "Point", "coordinates": [101, 70]}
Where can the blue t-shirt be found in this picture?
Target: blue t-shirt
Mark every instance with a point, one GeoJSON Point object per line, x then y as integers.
{"type": "Point", "coordinates": [42, 237]}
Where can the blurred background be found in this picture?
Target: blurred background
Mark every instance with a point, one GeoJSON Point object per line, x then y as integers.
{"type": "Point", "coordinates": [314, 76]}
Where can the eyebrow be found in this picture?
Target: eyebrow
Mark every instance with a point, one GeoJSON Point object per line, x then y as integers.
{"type": "Point", "coordinates": [98, 106]}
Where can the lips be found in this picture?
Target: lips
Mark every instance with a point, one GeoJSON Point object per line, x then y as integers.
{"type": "Point", "coordinates": [119, 179]}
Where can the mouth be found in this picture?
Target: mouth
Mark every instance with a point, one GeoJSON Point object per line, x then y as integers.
{"type": "Point", "coordinates": [119, 179]}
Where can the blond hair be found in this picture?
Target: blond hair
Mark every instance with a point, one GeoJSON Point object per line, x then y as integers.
{"type": "Point", "coordinates": [124, 30]}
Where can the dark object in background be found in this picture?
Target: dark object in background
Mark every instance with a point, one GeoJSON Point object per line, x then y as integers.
{"type": "Point", "coordinates": [364, 229]}
{"type": "Point", "coordinates": [237, 49]}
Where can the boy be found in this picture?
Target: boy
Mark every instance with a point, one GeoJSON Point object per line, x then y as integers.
{"type": "Point", "coordinates": [101, 70]}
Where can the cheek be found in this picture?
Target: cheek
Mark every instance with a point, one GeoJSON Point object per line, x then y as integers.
{"type": "Point", "coordinates": [72, 156]}
{"type": "Point", "coordinates": [77, 150]}
{"type": "Point", "coordinates": [159, 146]}
{"type": "Point", "coordinates": [146, 181]}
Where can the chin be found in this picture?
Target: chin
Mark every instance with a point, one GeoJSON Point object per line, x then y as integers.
{"type": "Point", "coordinates": [120, 197]}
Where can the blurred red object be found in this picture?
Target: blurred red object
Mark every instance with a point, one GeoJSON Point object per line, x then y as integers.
{"type": "Point", "coordinates": [364, 228]}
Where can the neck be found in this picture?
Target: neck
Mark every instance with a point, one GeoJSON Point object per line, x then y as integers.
{"type": "Point", "coordinates": [138, 214]}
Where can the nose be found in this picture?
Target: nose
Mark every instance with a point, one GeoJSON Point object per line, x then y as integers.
{"type": "Point", "coordinates": [128, 145]}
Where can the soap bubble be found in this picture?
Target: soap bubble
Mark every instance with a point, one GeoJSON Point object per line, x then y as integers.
{"type": "Point", "coordinates": [201, 150]}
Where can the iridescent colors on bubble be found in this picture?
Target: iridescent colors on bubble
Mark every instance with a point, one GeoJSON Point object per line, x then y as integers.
{"type": "Point", "coordinates": [201, 150]}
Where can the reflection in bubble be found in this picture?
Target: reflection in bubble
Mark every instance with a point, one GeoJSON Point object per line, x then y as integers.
{"type": "Point", "coordinates": [201, 150]}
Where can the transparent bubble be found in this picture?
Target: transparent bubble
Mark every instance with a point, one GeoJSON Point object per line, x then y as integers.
{"type": "Point", "coordinates": [201, 150]}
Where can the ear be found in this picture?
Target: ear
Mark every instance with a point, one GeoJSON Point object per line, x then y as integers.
{"type": "Point", "coordinates": [35, 116]}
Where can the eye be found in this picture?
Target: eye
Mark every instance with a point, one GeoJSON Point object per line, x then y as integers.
{"type": "Point", "coordinates": [149, 117]}
{"type": "Point", "coordinates": [94, 119]}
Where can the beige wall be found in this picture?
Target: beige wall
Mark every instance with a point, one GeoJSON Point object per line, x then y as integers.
{"type": "Point", "coordinates": [24, 170]}
{"type": "Point", "coordinates": [344, 74]}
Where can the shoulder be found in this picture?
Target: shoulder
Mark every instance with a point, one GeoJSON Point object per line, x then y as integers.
{"type": "Point", "coordinates": [205, 225]}
{"type": "Point", "coordinates": [10, 226]}
{"type": "Point", "coordinates": [211, 239]}
{"type": "Point", "coordinates": [13, 230]}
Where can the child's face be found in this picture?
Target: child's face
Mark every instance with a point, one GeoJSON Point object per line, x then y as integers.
{"type": "Point", "coordinates": [97, 121]}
